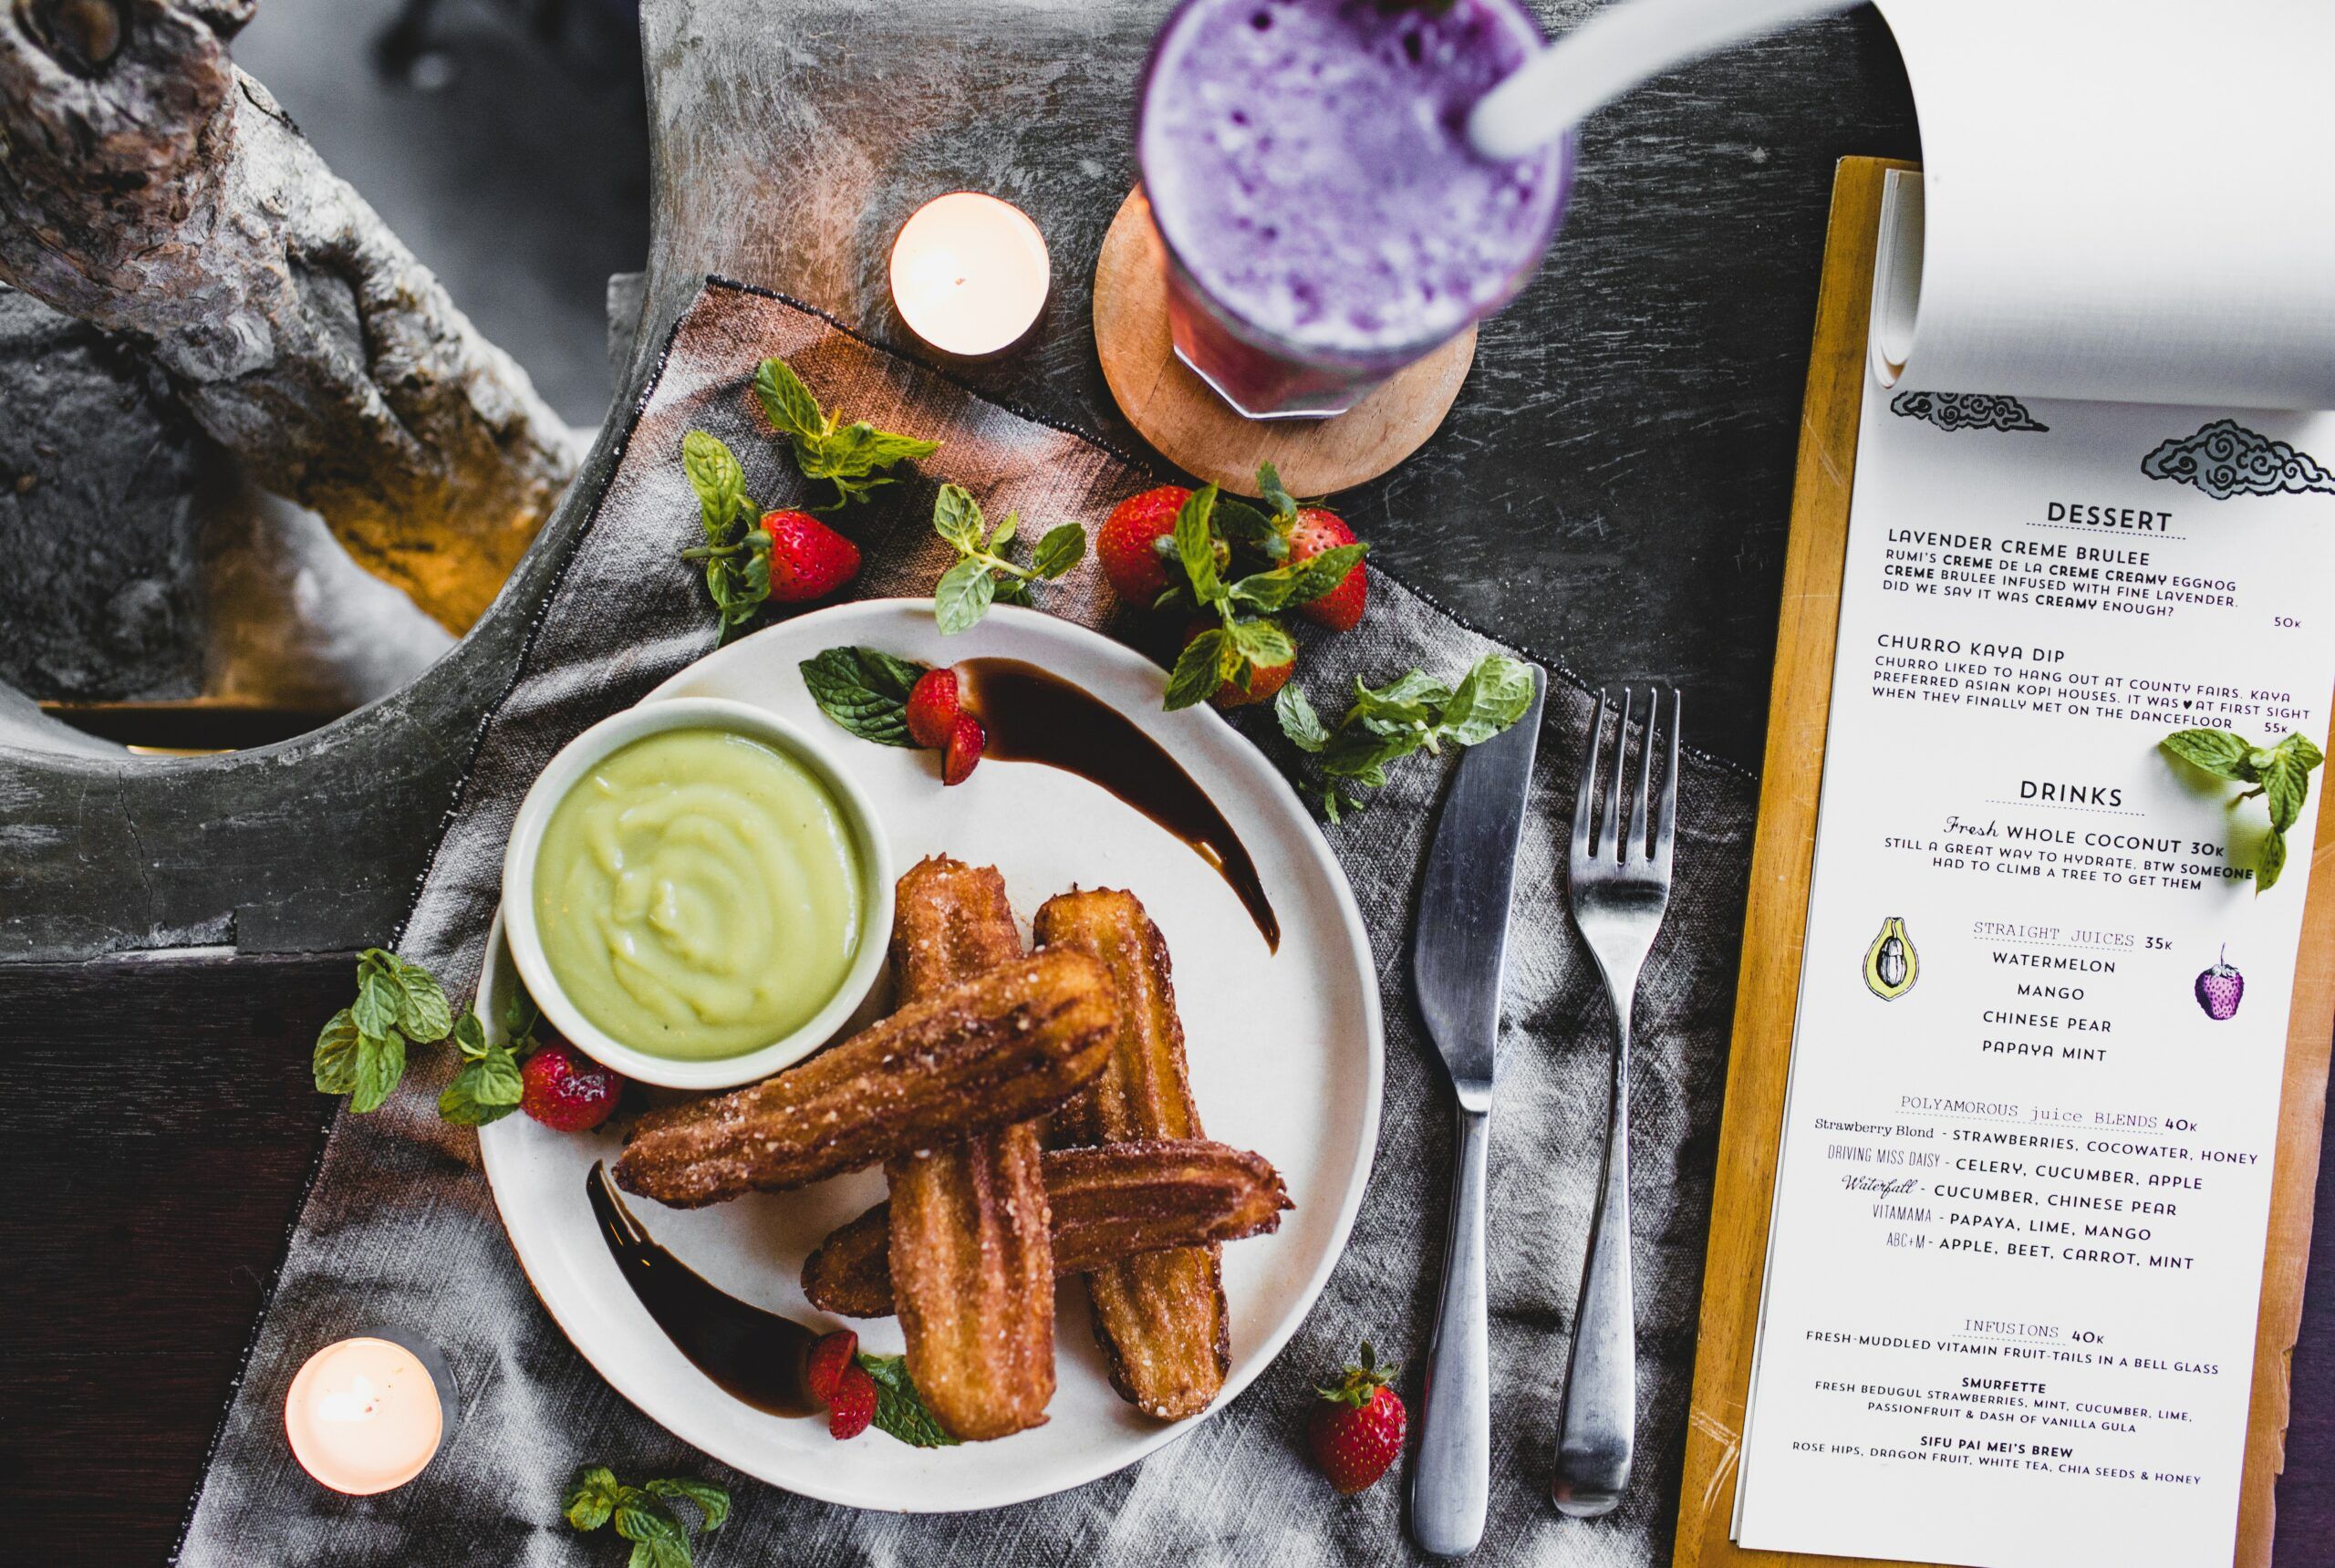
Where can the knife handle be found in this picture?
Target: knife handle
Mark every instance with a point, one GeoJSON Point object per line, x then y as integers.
{"type": "Point", "coordinates": [1451, 1481]}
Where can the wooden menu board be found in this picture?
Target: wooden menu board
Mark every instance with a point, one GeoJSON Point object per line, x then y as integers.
{"type": "Point", "coordinates": [1768, 998]}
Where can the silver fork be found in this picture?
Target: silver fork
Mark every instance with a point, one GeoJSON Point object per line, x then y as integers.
{"type": "Point", "coordinates": [1618, 889]}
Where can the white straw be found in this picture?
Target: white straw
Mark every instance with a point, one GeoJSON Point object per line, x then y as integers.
{"type": "Point", "coordinates": [1613, 52]}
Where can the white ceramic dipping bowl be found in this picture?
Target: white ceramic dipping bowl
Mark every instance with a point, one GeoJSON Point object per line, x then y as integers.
{"type": "Point", "coordinates": [579, 757]}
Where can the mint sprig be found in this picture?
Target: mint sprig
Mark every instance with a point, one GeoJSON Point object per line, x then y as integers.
{"type": "Point", "coordinates": [865, 690]}
{"type": "Point", "coordinates": [487, 1086]}
{"type": "Point", "coordinates": [982, 573]}
{"type": "Point", "coordinates": [900, 1410]}
{"type": "Point", "coordinates": [1246, 639]}
{"type": "Point", "coordinates": [361, 1050]}
{"type": "Point", "coordinates": [846, 454]}
{"type": "Point", "coordinates": [644, 1515]}
{"type": "Point", "coordinates": [736, 552]}
{"type": "Point", "coordinates": [1414, 711]}
{"type": "Point", "coordinates": [2280, 776]}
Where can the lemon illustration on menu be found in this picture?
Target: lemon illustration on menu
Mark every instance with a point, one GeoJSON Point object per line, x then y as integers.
{"type": "Point", "coordinates": [1891, 964]}
{"type": "Point", "coordinates": [698, 894]}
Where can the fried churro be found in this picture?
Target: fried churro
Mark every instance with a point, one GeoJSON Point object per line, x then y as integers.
{"type": "Point", "coordinates": [967, 1251]}
{"type": "Point", "coordinates": [1160, 1317]}
{"type": "Point", "coordinates": [1106, 1204]}
{"type": "Point", "coordinates": [999, 1048]}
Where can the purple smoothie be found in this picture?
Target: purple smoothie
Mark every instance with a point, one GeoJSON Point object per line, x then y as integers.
{"type": "Point", "coordinates": [1308, 169]}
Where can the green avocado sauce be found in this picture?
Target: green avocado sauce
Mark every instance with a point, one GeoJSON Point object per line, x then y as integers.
{"type": "Point", "coordinates": [698, 894]}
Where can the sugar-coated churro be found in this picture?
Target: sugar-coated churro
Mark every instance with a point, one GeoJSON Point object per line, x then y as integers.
{"type": "Point", "coordinates": [1106, 1204]}
{"type": "Point", "coordinates": [1161, 1317]}
{"type": "Point", "coordinates": [1000, 1048]}
{"type": "Point", "coordinates": [968, 1252]}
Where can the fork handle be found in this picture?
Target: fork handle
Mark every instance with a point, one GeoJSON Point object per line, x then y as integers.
{"type": "Point", "coordinates": [1451, 1482]}
{"type": "Point", "coordinates": [1596, 1424]}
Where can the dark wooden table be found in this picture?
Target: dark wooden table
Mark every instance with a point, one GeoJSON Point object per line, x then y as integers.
{"type": "Point", "coordinates": [1611, 491]}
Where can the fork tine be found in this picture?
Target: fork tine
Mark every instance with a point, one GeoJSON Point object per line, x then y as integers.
{"type": "Point", "coordinates": [1608, 840]}
{"type": "Point", "coordinates": [1637, 849]}
{"type": "Point", "coordinates": [1585, 800]}
{"type": "Point", "coordinates": [1665, 820]}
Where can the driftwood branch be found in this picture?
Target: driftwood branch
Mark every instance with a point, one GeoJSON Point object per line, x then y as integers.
{"type": "Point", "coordinates": [149, 187]}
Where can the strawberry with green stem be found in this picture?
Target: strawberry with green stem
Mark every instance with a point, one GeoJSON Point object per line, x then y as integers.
{"type": "Point", "coordinates": [1356, 1433]}
{"type": "Point", "coordinates": [1245, 639]}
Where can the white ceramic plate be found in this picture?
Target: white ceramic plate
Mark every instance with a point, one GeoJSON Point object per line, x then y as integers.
{"type": "Point", "coordinates": [1285, 1050]}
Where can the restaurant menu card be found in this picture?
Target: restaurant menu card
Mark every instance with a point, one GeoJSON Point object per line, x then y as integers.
{"type": "Point", "coordinates": [2021, 1199]}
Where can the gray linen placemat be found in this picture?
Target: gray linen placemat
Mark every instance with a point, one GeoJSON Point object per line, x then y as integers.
{"type": "Point", "coordinates": [400, 1227]}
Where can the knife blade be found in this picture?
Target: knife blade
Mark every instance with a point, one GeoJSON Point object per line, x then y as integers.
{"type": "Point", "coordinates": [1459, 950]}
{"type": "Point", "coordinates": [1460, 945]}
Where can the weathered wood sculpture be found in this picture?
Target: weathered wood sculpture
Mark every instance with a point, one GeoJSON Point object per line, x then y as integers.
{"type": "Point", "coordinates": [149, 187]}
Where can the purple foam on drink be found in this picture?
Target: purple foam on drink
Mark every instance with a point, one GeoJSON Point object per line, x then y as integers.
{"type": "Point", "coordinates": [1307, 164]}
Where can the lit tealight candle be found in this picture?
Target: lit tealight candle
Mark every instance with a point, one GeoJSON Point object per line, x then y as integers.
{"type": "Point", "coordinates": [366, 1415]}
{"type": "Point", "coordinates": [969, 273]}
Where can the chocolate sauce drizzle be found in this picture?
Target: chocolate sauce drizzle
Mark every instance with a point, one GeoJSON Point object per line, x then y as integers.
{"type": "Point", "coordinates": [758, 1356]}
{"type": "Point", "coordinates": [1032, 716]}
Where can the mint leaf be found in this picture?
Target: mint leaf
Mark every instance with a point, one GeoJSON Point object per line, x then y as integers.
{"type": "Point", "coordinates": [1196, 677]}
{"type": "Point", "coordinates": [711, 1499]}
{"type": "Point", "coordinates": [2269, 860]}
{"type": "Point", "coordinates": [1241, 524]}
{"type": "Point", "coordinates": [1299, 722]}
{"type": "Point", "coordinates": [719, 483]}
{"type": "Point", "coordinates": [424, 1014]}
{"type": "Point", "coordinates": [1321, 573]}
{"type": "Point", "coordinates": [864, 690]}
{"type": "Point", "coordinates": [1005, 532]}
{"type": "Point", "coordinates": [2299, 747]}
{"type": "Point", "coordinates": [469, 1035]}
{"type": "Point", "coordinates": [591, 1497]}
{"type": "Point", "coordinates": [900, 1408]}
{"type": "Point", "coordinates": [335, 1061]}
{"type": "Point", "coordinates": [1260, 642]}
{"type": "Point", "coordinates": [2284, 783]}
{"type": "Point", "coordinates": [2217, 751]}
{"type": "Point", "coordinates": [485, 1091]}
{"type": "Point", "coordinates": [1411, 700]}
{"type": "Point", "coordinates": [1061, 549]}
{"type": "Point", "coordinates": [788, 402]}
{"type": "Point", "coordinates": [380, 1064]}
{"type": "Point", "coordinates": [1195, 545]}
{"type": "Point", "coordinates": [1276, 494]}
{"type": "Point", "coordinates": [957, 517]}
{"type": "Point", "coordinates": [963, 596]}
{"type": "Point", "coordinates": [379, 999]}
{"type": "Point", "coordinates": [1491, 696]}
{"type": "Point", "coordinates": [641, 1517]}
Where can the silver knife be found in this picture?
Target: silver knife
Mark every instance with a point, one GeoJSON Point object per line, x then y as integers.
{"type": "Point", "coordinates": [1457, 951]}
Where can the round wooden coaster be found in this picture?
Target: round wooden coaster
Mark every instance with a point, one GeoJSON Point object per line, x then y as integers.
{"type": "Point", "coordinates": [1194, 429]}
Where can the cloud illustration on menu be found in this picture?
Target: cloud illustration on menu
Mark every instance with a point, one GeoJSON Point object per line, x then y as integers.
{"type": "Point", "coordinates": [2225, 459]}
{"type": "Point", "coordinates": [1966, 410]}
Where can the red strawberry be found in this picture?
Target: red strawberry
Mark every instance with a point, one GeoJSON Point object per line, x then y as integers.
{"type": "Point", "coordinates": [1128, 545]}
{"type": "Point", "coordinates": [1356, 1431]}
{"type": "Point", "coordinates": [853, 1406]}
{"type": "Point", "coordinates": [1312, 531]}
{"type": "Point", "coordinates": [1264, 679]}
{"type": "Point", "coordinates": [932, 708]}
{"type": "Point", "coordinates": [808, 560]}
{"type": "Point", "coordinates": [566, 1090]}
{"type": "Point", "coordinates": [966, 738]}
{"type": "Point", "coordinates": [832, 1355]}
